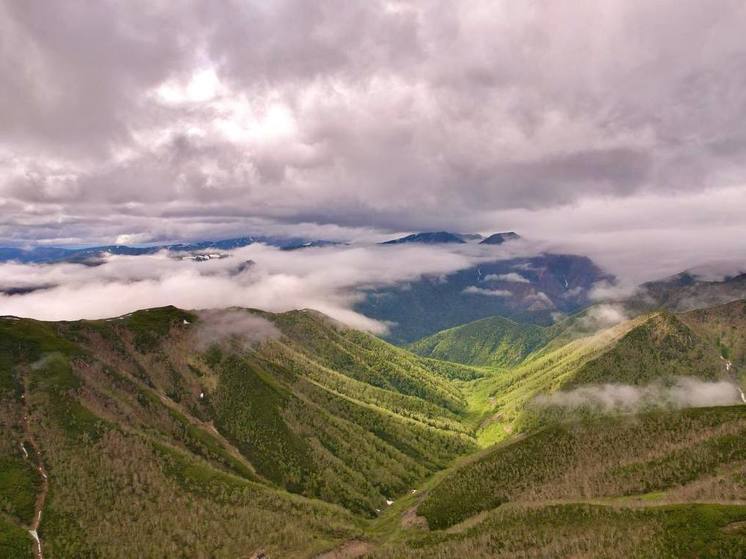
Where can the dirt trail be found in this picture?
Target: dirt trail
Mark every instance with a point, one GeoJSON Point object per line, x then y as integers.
{"type": "Point", "coordinates": [41, 497]}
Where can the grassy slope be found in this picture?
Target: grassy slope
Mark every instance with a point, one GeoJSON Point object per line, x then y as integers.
{"type": "Point", "coordinates": [600, 459]}
{"type": "Point", "coordinates": [490, 342]}
{"type": "Point", "coordinates": [650, 348]}
{"type": "Point", "coordinates": [661, 347]}
{"type": "Point", "coordinates": [336, 414]}
{"type": "Point", "coordinates": [619, 463]}
{"type": "Point", "coordinates": [588, 531]}
{"type": "Point", "coordinates": [723, 326]}
{"type": "Point", "coordinates": [127, 408]}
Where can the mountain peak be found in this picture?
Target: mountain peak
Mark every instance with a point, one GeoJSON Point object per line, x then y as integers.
{"type": "Point", "coordinates": [500, 238]}
{"type": "Point", "coordinates": [430, 238]}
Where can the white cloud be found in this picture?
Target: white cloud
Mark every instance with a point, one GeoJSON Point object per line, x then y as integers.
{"type": "Point", "coordinates": [474, 290]}
{"type": "Point", "coordinates": [684, 392]}
{"type": "Point", "coordinates": [380, 115]}
{"type": "Point", "coordinates": [511, 277]}
{"type": "Point", "coordinates": [325, 279]}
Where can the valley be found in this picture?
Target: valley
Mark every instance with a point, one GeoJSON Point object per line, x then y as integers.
{"type": "Point", "coordinates": [235, 432]}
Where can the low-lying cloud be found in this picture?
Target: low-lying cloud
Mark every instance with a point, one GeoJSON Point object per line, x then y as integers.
{"type": "Point", "coordinates": [328, 279]}
{"type": "Point", "coordinates": [235, 326]}
{"type": "Point", "coordinates": [474, 290]}
{"type": "Point", "coordinates": [684, 392]}
{"type": "Point", "coordinates": [603, 315]}
{"type": "Point", "coordinates": [510, 277]}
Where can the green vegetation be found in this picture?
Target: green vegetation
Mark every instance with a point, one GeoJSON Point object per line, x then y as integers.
{"type": "Point", "coordinates": [293, 445]}
{"type": "Point", "coordinates": [18, 487]}
{"type": "Point", "coordinates": [583, 530]}
{"type": "Point", "coordinates": [660, 348]}
{"type": "Point", "coordinates": [490, 342]}
{"type": "Point", "coordinates": [613, 456]}
{"type": "Point", "coordinates": [14, 541]}
{"type": "Point", "coordinates": [149, 326]}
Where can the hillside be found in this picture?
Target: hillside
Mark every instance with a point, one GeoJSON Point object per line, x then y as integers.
{"type": "Point", "coordinates": [214, 429]}
{"type": "Point", "coordinates": [490, 342]}
{"type": "Point", "coordinates": [528, 290]}
{"type": "Point", "coordinates": [697, 453]}
{"type": "Point", "coordinates": [687, 291]}
{"type": "Point", "coordinates": [226, 433]}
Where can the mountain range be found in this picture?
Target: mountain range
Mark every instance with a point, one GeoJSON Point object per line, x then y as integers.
{"type": "Point", "coordinates": [241, 432]}
{"type": "Point", "coordinates": [514, 417]}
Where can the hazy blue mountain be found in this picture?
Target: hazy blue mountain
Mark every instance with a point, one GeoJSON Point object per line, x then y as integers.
{"type": "Point", "coordinates": [524, 289]}
{"type": "Point", "coordinates": [90, 254]}
{"type": "Point", "coordinates": [500, 238]}
{"type": "Point", "coordinates": [429, 238]}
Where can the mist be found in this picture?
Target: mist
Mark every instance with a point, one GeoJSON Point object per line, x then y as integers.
{"type": "Point", "coordinates": [684, 392]}
{"type": "Point", "coordinates": [328, 280]}
{"type": "Point", "coordinates": [240, 327]}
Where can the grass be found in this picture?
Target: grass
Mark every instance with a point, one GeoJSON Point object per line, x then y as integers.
{"type": "Point", "coordinates": [18, 488]}
{"type": "Point", "coordinates": [15, 542]}
{"type": "Point", "coordinates": [149, 326]}
{"type": "Point", "coordinates": [490, 342]}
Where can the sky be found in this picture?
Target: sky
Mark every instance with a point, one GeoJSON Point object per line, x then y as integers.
{"type": "Point", "coordinates": [613, 128]}
{"type": "Point", "coordinates": [152, 121]}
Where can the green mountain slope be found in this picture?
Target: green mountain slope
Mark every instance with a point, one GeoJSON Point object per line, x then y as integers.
{"type": "Point", "coordinates": [698, 451]}
{"type": "Point", "coordinates": [724, 326]}
{"type": "Point", "coordinates": [223, 434]}
{"type": "Point", "coordinates": [490, 342]}
{"type": "Point", "coordinates": [585, 530]}
{"type": "Point", "coordinates": [661, 347]}
{"type": "Point", "coordinates": [134, 407]}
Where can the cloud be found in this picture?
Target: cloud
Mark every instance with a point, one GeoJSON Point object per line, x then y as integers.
{"type": "Point", "coordinates": [326, 279]}
{"type": "Point", "coordinates": [511, 277]}
{"type": "Point", "coordinates": [378, 115]}
{"type": "Point", "coordinates": [685, 392]}
{"type": "Point", "coordinates": [603, 316]}
{"type": "Point", "coordinates": [238, 327]}
{"type": "Point", "coordinates": [474, 290]}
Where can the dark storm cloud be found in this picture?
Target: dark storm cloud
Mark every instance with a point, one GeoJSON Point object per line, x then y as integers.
{"type": "Point", "coordinates": [175, 120]}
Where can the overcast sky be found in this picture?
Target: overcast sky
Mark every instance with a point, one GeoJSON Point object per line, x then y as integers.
{"type": "Point", "coordinates": [599, 122]}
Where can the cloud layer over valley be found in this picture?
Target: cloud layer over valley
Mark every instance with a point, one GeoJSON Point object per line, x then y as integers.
{"type": "Point", "coordinates": [258, 276]}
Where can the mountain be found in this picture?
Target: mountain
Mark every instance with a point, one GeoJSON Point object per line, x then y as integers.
{"type": "Point", "coordinates": [430, 238]}
{"type": "Point", "coordinates": [686, 291]}
{"type": "Point", "coordinates": [215, 415]}
{"type": "Point", "coordinates": [90, 254]}
{"type": "Point", "coordinates": [531, 290]}
{"type": "Point", "coordinates": [490, 342]}
{"type": "Point", "coordinates": [311, 244]}
{"type": "Point", "coordinates": [656, 482]}
{"type": "Point", "coordinates": [237, 433]}
{"type": "Point", "coordinates": [500, 238]}
{"type": "Point", "coordinates": [649, 459]}
{"type": "Point", "coordinates": [707, 344]}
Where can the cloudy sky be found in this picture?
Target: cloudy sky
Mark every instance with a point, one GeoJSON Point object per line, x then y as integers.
{"type": "Point", "coordinates": [596, 122]}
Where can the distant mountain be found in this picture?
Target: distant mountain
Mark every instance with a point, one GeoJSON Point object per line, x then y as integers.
{"type": "Point", "coordinates": [91, 254]}
{"type": "Point", "coordinates": [687, 291]}
{"type": "Point", "coordinates": [431, 238]}
{"type": "Point", "coordinates": [500, 238]}
{"type": "Point", "coordinates": [522, 289]}
{"type": "Point", "coordinates": [312, 244]}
